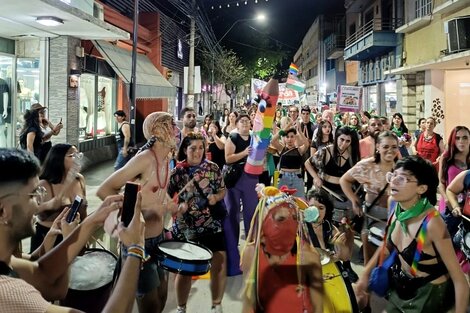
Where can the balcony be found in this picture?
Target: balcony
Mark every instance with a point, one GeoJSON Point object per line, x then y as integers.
{"type": "Point", "coordinates": [334, 46]}
{"type": "Point", "coordinates": [373, 39]}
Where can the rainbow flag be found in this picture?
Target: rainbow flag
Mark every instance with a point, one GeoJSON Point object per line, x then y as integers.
{"type": "Point", "coordinates": [293, 69]}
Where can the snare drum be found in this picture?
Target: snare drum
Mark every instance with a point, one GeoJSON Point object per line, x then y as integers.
{"type": "Point", "coordinates": [91, 281]}
{"type": "Point", "coordinates": [182, 257]}
{"type": "Point", "coordinates": [338, 292]}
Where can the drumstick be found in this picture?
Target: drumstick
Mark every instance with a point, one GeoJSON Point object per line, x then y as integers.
{"type": "Point", "coordinates": [334, 194]}
{"type": "Point", "coordinates": [375, 218]}
{"type": "Point", "coordinates": [463, 216]}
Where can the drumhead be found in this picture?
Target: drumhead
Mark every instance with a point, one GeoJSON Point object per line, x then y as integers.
{"type": "Point", "coordinates": [92, 270]}
{"type": "Point", "coordinates": [185, 250]}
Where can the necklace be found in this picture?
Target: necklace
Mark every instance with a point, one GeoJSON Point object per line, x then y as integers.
{"type": "Point", "coordinates": [160, 169]}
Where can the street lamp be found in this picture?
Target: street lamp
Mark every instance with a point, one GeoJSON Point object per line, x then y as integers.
{"type": "Point", "coordinates": [259, 17]}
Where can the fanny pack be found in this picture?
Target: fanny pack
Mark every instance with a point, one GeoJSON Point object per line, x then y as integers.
{"type": "Point", "coordinates": [405, 285]}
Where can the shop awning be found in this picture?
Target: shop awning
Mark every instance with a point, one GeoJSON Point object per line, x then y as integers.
{"type": "Point", "coordinates": [150, 82]}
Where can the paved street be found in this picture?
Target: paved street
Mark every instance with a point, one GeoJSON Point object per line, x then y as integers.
{"type": "Point", "coordinates": [199, 300]}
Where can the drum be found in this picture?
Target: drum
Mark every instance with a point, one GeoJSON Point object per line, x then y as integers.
{"type": "Point", "coordinates": [183, 257]}
{"type": "Point", "coordinates": [338, 292]}
{"type": "Point", "coordinates": [91, 280]}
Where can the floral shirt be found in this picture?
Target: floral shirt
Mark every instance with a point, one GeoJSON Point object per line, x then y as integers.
{"type": "Point", "coordinates": [368, 172]}
{"type": "Point", "coordinates": [197, 221]}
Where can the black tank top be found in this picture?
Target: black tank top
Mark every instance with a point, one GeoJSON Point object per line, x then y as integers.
{"type": "Point", "coordinates": [290, 159]}
{"type": "Point", "coordinates": [240, 144]}
{"type": "Point", "coordinates": [333, 169]}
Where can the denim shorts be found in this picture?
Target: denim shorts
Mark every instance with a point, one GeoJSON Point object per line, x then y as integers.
{"type": "Point", "coordinates": [150, 275]}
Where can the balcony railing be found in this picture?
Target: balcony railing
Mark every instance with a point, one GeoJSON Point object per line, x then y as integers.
{"type": "Point", "coordinates": [373, 26]}
{"type": "Point", "coordinates": [333, 42]}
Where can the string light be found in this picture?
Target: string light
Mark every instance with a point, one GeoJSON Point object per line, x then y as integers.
{"type": "Point", "coordinates": [237, 3]}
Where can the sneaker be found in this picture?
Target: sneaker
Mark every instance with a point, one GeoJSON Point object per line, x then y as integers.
{"type": "Point", "coordinates": [181, 309]}
{"type": "Point", "coordinates": [216, 308]}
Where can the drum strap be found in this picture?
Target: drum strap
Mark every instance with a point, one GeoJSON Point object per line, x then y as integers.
{"type": "Point", "coordinates": [7, 271]}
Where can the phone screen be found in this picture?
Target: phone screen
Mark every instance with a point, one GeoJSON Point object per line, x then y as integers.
{"type": "Point", "coordinates": [130, 198]}
{"type": "Point", "coordinates": [74, 209]}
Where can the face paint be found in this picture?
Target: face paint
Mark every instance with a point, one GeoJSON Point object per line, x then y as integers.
{"type": "Point", "coordinates": [279, 232]}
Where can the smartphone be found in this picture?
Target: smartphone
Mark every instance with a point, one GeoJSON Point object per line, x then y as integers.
{"type": "Point", "coordinates": [74, 209]}
{"type": "Point", "coordinates": [130, 198]}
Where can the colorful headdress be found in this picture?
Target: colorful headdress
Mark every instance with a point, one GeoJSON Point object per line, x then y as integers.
{"type": "Point", "coordinates": [272, 198]}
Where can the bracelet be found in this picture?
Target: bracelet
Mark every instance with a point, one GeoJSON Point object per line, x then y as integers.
{"type": "Point", "coordinates": [456, 207]}
{"type": "Point", "coordinates": [138, 252]}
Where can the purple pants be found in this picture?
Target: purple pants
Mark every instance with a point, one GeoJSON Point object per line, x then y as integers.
{"type": "Point", "coordinates": [245, 191]}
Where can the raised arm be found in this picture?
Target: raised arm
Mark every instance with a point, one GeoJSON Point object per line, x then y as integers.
{"type": "Point", "coordinates": [454, 188]}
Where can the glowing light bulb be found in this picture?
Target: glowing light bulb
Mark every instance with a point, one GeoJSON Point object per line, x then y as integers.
{"type": "Point", "coordinates": [228, 5]}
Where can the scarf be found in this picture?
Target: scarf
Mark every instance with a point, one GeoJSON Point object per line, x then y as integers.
{"type": "Point", "coordinates": [403, 215]}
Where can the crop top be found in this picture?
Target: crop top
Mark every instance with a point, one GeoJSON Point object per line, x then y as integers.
{"type": "Point", "coordinates": [333, 169]}
{"type": "Point", "coordinates": [408, 255]}
{"type": "Point", "coordinates": [290, 159]}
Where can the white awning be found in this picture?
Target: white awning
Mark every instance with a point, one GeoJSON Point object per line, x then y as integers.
{"type": "Point", "coordinates": [150, 82]}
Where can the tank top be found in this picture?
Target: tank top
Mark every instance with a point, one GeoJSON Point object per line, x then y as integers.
{"type": "Point", "coordinates": [240, 144]}
{"type": "Point", "coordinates": [277, 287]}
{"type": "Point", "coordinates": [290, 159]}
{"type": "Point", "coordinates": [428, 149]}
{"type": "Point", "coordinates": [120, 136]}
{"type": "Point", "coordinates": [333, 169]}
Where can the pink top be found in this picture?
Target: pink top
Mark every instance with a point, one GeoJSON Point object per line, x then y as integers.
{"type": "Point", "coordinates": [452, 172]}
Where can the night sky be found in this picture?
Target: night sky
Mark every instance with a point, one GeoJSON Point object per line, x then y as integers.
{"type": "Point", "coordinates": [287, 20]}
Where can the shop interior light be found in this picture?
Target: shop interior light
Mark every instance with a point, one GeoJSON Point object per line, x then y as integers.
{"type": "Point", "coordinates": [49, 20]}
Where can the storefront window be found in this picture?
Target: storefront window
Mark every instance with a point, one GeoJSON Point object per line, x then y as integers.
{"type": "Point", "coordinates": [391, 97]}
{"type": "Point", "coordinates": [105, 109]}
{"type": "Point", "coordinates": [27, 88]}
{"type": "Point", "coordinates": [87, 106]}
{"type": "Point", "coordinates": [6, 131]}
{"type": "Point", "coordinates": [97, 98]}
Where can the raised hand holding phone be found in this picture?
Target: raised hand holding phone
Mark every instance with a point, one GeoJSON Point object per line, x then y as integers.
{"type": "Point", "coordinates": [130, 199]}
{"type": "Point", "coordinates": [74, 209]}
{"type": "Point", "coordinates": [134, 234]}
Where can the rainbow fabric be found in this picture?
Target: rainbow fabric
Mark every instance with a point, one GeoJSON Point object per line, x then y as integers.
{"type": "Point", "coordinates": [293, 69]}
{"type": "Point", "coordinates": [262, 126]}
{"type": "Point", "coordinates": [420, 241]}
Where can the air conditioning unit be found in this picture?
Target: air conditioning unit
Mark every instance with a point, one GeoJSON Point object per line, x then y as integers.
{"type": "Point", "coordinates": [458, 34]}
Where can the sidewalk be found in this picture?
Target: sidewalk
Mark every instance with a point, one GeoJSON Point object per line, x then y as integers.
{"type": "Point", "coordinates": [199, 298]}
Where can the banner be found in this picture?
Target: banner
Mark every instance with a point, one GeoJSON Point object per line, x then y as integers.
{"type": "Point", "coordinates": [349, 98]}
{"type": "Point", "coordinates": [285, 94]}
{"type": "Point", "coordinates": [294, 83]}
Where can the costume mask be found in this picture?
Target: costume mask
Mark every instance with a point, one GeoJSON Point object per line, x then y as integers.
{"type": "Point", "coordinates": [279, 236]}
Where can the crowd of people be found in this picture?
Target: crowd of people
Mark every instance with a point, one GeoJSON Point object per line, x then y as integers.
{"type": "Point", "coordinates": [328, 176]}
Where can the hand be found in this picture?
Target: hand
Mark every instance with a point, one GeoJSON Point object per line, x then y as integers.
{"type": "Point", "coordinates": [248, 150]}
{"type": "Point", "coordinates": [134, 234]}
{"type": "Point", "coordinates": [318, 182]}
{"type": "Point", "coordinates": [110, 204]}
{"type": "Point", "coordinates": [182, 208]}
{"type": "Point", "coordinates": [457, 211]}
{"type": "Point", "coordinates": [124, 152]}
{"type": "Point", "coordinates": [5, 114]}
{"type": "Point", "coordinates": [357, 209]}
{"type": "Point", "coordinates": [212, 199]}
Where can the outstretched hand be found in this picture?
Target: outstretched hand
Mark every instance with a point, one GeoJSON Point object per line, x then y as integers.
{"type": "Point", "coordinates": [134, 233]}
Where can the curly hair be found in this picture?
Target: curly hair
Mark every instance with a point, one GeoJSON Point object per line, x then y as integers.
{"type": "Point", "coordinates": [160, 125]}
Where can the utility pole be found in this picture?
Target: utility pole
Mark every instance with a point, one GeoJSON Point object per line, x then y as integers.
{"type": "Point", "coordinates": [190, 95]}
{"type": "Point", "coordinates": [132, 95]}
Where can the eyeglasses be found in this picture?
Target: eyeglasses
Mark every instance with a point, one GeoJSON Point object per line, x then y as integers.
{"type": "Point", "coordinates": [76, 155]}
{"type": "Point", "coordinates": [39, 194]}
{"type": "Point", "coordinates": [400, 180]}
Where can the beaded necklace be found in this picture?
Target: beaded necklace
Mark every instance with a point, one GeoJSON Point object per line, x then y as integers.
{"type": "Point", "coordinates": [163, 168]}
